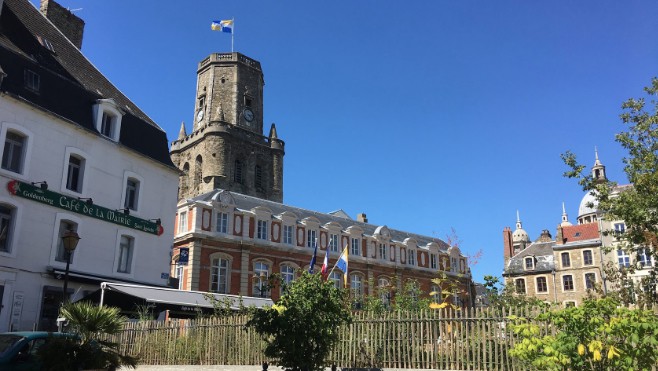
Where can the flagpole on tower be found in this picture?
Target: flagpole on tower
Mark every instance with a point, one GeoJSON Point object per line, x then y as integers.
{"type": "Point", "coordinates": [232, 33]}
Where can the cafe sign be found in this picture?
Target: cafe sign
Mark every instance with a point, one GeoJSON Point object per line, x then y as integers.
{"type": "Point", "coordinates": [44, 196]}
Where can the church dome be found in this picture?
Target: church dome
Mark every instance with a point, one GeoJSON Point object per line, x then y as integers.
{"type": "Point", "coordinates": [588, 205]}
{"type": "Point", "coordinates": [520, 235]}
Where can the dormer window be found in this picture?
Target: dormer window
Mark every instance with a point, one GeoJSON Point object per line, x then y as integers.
{"type": "Point", "coordinates": [32, 80]}
{"type": "Point", "coordinates": [529, 263]}
{"type": "Point", "coordinates": [107, 118]}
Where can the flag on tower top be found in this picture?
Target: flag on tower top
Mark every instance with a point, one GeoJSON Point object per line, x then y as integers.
{"type": "Point", "coordinates": [223, 25]}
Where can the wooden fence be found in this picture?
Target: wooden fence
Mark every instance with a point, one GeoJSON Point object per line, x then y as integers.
{"type": "Point", "coordinates": [478, 339]}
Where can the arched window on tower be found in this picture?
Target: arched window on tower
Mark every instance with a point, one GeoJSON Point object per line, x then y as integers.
{"type": "Point", "coordinates": [258, 182]}
{"type": "Point", "coordinates": [198, 171]}
{"type": "Point", "coordinates": [237, 172]}
{"type": "Point", "coordinates": [184, 179]}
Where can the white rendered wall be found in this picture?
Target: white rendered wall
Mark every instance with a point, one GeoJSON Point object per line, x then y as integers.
{"type": "Point", "coordinates": [25, 269]}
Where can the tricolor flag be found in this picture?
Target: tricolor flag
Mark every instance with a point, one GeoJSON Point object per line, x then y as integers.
{"type": "Point", "coordinates": [342, 264]}
{"type": "Point", "coordinates": [315, 253]}
{"type": "Point", "coordinates": [224, 26]}
{"type": "Point", "coordinates": [325, 264]}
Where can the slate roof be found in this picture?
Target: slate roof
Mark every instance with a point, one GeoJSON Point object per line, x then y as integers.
{"type": "Point", "coordinates": [69, 83]}
{"type": "Point", "coordinates": [541, 251]}
{"type": "Point", "coordinates": [247, 203]}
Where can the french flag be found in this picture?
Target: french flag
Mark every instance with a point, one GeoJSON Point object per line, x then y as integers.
{"type": "Point", "coordinates": [325, 265]}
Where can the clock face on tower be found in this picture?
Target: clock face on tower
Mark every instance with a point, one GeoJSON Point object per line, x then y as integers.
{"type": "Point", "coordinates": [248, 115]}
{"type": "Point", "coordinates": [199, 115]}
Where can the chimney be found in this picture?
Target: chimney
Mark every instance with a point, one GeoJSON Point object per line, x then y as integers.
{"type": "Point", "coordinates": [559, 238]}
{"type": "Point", "coordinates": [69, 24]}
{"type": "Point", "coordinates": [507, 244]}
{"type": "Point", "coordinates": [361, 217]}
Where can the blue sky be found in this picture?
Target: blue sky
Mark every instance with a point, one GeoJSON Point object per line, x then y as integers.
{"type": "Point", "coordinates": [425, 115]}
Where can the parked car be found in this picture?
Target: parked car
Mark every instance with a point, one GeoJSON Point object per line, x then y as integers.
{"type": "Point", "coordinates": [18, 350]}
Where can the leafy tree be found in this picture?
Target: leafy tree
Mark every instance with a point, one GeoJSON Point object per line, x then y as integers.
{"type": "Point", "coordinates": [636, 205]}
{"type": "Point", "coordinates": [500, 296]}
{"type": "Point", "coordinates": [598, 335]}
{"type": "Point", "coordinates": [303, 326]}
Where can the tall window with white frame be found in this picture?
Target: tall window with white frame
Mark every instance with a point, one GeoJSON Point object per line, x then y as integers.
{"type": "Point", "coordinates": [287, 234]}
{"type": "Point", "coordinates": [542, 286]}
{"type": "Point", "coordinates": [644, 258]}
{"type": "Point", "coordinates": [182, 222]}
{"type": "Point", "coordinates": [64, 226]}
{"type": "Point", "coordinates": [108, 125]}
{"type": "Point", "coordinates": [356, 285]}
{"type": "Point", "coordinates": [567, 282]}
{"type": "Point", "coordinates": [6, 227]}
{"type": "Point", "coordinates": [566, 260]}
{"type": "Point", "coordinates": [222, 222]}
{"type": "Point", "coordinates": [411, 257]}
{"type": "Point", "coordinates": [261, 233]}
{"type": "Point", "coordinates": [588, 259]}
{"type": "Point", "coordinates": [520, 286]}
{"type": "Point", "coordinates": [13, 152]}
{"type": "Point", "coordinates": [454, 264]}
{"type": "Point", "coordinates": [126, 247]}
{"type": "Point", "coordinates": [311, 235]}
{"type": "Point", "coordinates": [382, 251]}
{"type": "Point", "coordinates": [287, 276]}
{"type": "Point", "coordinates": [333, 242]}
{"type": "Point", "coordinates": [383, 286]}
{"type": "Point", "coordinates": [75, 173]}
{"type": "Point", "coordinates": [261, 274]}
{"type": "Point", "coordinates": [179, 275]}
{"type": "Point", "coordinates": [132, 194]}
{"type": "Point", "coordinates": [623, 258]}
{"type": "Point", "coordinates": [336, 278]}
{"type": "Point", "coordinates": [433, 261]}
{"type": "Point", "coordinates": [590, 281]}
{"type": "Point", "coordinates": [356, 247]}
{"type": "Point", "coordinates": [219, 272]}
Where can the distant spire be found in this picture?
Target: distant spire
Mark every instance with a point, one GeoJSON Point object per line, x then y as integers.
{"type": "Point", "coordinates": [598, 170]}
{"type": "Point", "coordinates": [565, 219]}
{"type": "Point", "coordinates": [273, 132]}
{"type": "Point", "coordinates": [182, 134]}
{"type": "Point", "coordinates": [518, 220]}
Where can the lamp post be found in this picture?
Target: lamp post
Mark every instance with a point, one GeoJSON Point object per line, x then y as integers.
{"type": "Point", "coordinates": [70, 241]}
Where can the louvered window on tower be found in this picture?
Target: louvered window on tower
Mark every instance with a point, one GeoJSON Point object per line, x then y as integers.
{"type": "Point", "coordinates": [238, 172]}
{"type": "Point", "coordinates": [259, 177]}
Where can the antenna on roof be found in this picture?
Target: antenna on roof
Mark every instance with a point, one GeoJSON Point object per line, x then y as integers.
{"type": "Point", "coordinates": [74, 10]}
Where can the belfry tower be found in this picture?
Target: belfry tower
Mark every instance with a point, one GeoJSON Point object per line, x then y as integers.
{"type": "Point", "coordinates": [226, 148]}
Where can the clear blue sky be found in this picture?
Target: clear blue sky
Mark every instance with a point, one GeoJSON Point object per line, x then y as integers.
{"type": "Point", "coordinates": [426, 115]}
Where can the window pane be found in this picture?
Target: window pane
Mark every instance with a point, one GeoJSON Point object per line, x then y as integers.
{"type": "Point", "coordinates": [125, 254]}
{"type": "Point", "coordinates": [219, 276]}
{"type": "Point", "coordinates": [132, 189]}
{"type": "Point", "coordinates": [12, 154]}
{"type": "Point", "coordinates": [5, 228]}
{"type": "Point", "coordinates": [64, 226]}
{"type": "Point", "coordinates": [74, 175]}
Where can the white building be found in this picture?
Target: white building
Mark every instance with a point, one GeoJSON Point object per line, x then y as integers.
{"type": "Point", "coordinates": [106, 165]}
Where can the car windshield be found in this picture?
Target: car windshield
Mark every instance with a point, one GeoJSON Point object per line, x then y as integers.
{"type": "Point", "coordinates": [7, 340]}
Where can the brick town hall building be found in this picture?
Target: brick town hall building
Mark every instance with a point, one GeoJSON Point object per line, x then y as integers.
{"type": "Point", "coordinates": [238, 232]}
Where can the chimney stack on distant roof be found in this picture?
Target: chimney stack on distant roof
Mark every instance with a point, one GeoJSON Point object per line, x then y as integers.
{"type": "Point", "coordinates": [361, 217]}
{"type": "Point", "coordinates": [69, 24]}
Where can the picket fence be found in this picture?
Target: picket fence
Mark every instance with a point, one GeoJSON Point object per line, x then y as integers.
{"type": "Point", "coordinates": [477, 339]}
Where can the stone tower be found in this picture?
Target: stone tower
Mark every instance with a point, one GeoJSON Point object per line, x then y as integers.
{"type": "Point", "coordinates": [226, 148]}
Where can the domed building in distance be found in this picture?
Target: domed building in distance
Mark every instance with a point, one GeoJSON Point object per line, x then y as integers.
{"type": "Point", "coordinates": [562, 269]}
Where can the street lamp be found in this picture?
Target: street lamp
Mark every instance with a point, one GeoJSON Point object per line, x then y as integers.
{"type": "Point", "coordinates": [70, 241]}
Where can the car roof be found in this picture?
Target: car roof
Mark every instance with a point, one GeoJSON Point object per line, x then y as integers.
{"type": "Point", "coordinates": [38, 334]}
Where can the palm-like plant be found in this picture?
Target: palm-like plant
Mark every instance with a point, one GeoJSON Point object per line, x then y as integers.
{"type": "Point", "coordinates": [92, 324]}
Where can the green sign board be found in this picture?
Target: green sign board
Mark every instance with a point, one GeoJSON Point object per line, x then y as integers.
{"type": "Point", "coordinates": [75, 205]}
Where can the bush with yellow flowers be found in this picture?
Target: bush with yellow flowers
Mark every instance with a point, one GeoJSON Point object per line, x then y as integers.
{"type": "Point", "coordinates": [598, 335]}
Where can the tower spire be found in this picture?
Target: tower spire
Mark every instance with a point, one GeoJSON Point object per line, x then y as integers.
{"type": "Point", "coordinates": [565, 218]}
{"type": "Point", "coordinates": [182, 134]}
{"type": "Point", "coordinates": [598, 170]}
{"type": "Point", "coordinates": [518, 220]}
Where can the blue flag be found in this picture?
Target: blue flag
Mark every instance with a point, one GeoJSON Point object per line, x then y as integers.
{"type": "Point", "coordinates": [315, 253]}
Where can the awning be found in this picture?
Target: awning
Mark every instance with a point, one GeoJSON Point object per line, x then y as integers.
{"type": "Point", "coordinates": [179, 302]}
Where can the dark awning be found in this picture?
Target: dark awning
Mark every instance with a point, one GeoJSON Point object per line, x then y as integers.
{"type": "Point", "coordinates": [179, 302]}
